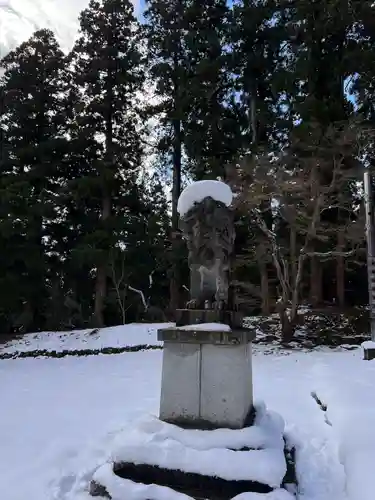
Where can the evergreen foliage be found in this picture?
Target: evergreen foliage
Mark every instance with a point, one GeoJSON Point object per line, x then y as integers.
{"type": "Point", "coordinates": [275, 97]}
{"type": "Point", "coordinates": [33, 145]}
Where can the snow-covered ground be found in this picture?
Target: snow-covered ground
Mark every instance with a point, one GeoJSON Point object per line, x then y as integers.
{"type": "Point", "coordinates": [78, 340]}
{"type": "Point", "coordinates": [60, 418]}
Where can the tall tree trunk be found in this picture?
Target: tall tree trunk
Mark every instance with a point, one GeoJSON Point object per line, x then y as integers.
{"type": "Point", "coordinates": [175, 281]}
{"type": "Point", "coordinates": [101, 276]}
{"type": "Point", "coordinates": [287, 326]}
{"type": "Point", "coordinates": [100, 294]}
{"type": "Point", "coordinates": [316, 295]}
{"type": "Point", "coordinates": [293, 254]}
{"type": "Point", "coordinates": [264, 287]}
{"type": "Point", "coordinates": [253, 115]}
{"type": "Point", "coordinates": [340, 272]}
{"type": "Point", "coordinates": [253, 126]}
{"type": "Point", "coordinates": [315, 265]}
{"type": "Point", "coordinates": [102, 269]}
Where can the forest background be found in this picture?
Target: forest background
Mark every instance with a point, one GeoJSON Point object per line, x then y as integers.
{"type": "Point", "coordinates": [275, 97]}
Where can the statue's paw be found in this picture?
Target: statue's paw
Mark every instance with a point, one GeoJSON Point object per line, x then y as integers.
{"type": "Point", "coordinates": [219, 305]}
{"type": "Point", "coordinates": [192, 304]}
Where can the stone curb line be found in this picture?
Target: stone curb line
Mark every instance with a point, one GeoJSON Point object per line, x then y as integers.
{"type": "Point", "coordinates": [78, 352]}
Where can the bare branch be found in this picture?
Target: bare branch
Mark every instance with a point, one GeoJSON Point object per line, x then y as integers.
{"type": "Point", "coordinates": [332, 254]}
{"type": "Point", "coordinates": [117, 284]}
{"type": "Point", "coordinates": [141, 294]}
{"type": "Point", "coordinates": [293, 191]}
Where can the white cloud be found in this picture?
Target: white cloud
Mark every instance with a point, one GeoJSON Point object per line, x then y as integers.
{"type": "Point", "coordinates": [20, 18]}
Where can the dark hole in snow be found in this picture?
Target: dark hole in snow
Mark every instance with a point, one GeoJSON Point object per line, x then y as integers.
{"type": "Point", "coordinates": [290, 482]}
{"type": "Point", "coordinates": [97, 490]}
{"type": "Point", "coordinates": [319, 402]}
{"type": "Point", "coordinates": [322, 406]}
{"type": "Point", "coordinates": [194, 485]}
{"type": "Point", "coordinates": [246, 448]}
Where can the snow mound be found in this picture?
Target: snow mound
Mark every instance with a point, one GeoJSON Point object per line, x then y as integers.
{"type": "Point", "coordinates": [210, 327]}
{"type": "Point", "coordinates": [368, 344]}
{"type": "Point", "coordinates": [212, 453]}
{"type": "Point", "coordinates": [76, 340]}
{"type": "Point", "coordinates": [198, 191]}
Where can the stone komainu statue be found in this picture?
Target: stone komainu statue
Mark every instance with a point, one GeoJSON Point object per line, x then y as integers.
{"type": "Point", "coordinates": [209, 231]}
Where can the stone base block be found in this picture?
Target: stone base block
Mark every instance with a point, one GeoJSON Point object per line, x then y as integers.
{"type": "Point", "coordinates": [207, 385]}
{"type": "Point", "coordinates": [193, 485]}
{"type": "Point", "coordinates": [368, 354]}
{"type": "Point", "coordinates": [193, 316]}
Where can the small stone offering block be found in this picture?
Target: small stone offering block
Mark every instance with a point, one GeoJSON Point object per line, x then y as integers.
{"type": "Point", "coordinates": [206, 376]}
{"type": "Point", "coordinates": [368, 350]}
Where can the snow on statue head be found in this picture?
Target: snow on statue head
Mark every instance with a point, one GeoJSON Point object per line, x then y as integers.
{"type": "Point", "coordinates": [207, 224]}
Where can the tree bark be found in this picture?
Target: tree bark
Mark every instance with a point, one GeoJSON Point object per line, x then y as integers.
{"type": "Point", "coordinates": [101, 276]}
{"type": "Point", "coordinates": [264, 287]}
{"type": "Point", "coordinates": [287, 326]}
{"type": "Point", "coordinates": [100, 294]}
{"type": "Point", "coordinates": [174, 287]}
{"type": "Point", "coordinates": [175, 280]}
{"type": "Point", "coordinates": [340, 272]}
{"type": "Point", "coordinates": [253, 115]}
{"type": "Point", "coordinates": [315, 265]}
{"type": "Point", "coordinates": [293, 254]}
{"type": "Point", "coordinates": [102, 268]}
{"type": "Point", "coordinates": [315, 282]}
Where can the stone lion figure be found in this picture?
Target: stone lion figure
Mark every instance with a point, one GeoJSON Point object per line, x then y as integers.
{"type": "Point", "coordinates": [209, 231]}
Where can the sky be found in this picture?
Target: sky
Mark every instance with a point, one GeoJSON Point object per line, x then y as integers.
{"type": "Point", "coordinates": [20, 18]}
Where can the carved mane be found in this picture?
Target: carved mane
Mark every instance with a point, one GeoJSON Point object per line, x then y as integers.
{"type": "Point", "coordinates": [209, 232]}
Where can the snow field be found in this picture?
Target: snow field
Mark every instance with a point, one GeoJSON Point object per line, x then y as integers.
{"type": "Point", "coordinates": [117, 336]}
{"type": "Point", "coordinates": [62, 419]}
{"type": "Point", "coordinates": [60, 416]}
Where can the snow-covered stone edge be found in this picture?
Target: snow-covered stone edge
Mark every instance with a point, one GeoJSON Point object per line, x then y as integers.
{"type": "Point", "coordinates": [368, 344]}
{"type": "Point", "coordinates": [119, 489]}
{"type": "Point", "coordinates": [207, 327]}
{"type": "Point", "coordinates": [215, 453]}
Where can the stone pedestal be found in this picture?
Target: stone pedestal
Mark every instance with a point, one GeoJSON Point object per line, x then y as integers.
{"type": "Point", "coordinates": [368, 350]}
{"type": "Point", "coordinates": [206, 378]}
{"type": "Point", "coordinates": [368, 354]}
